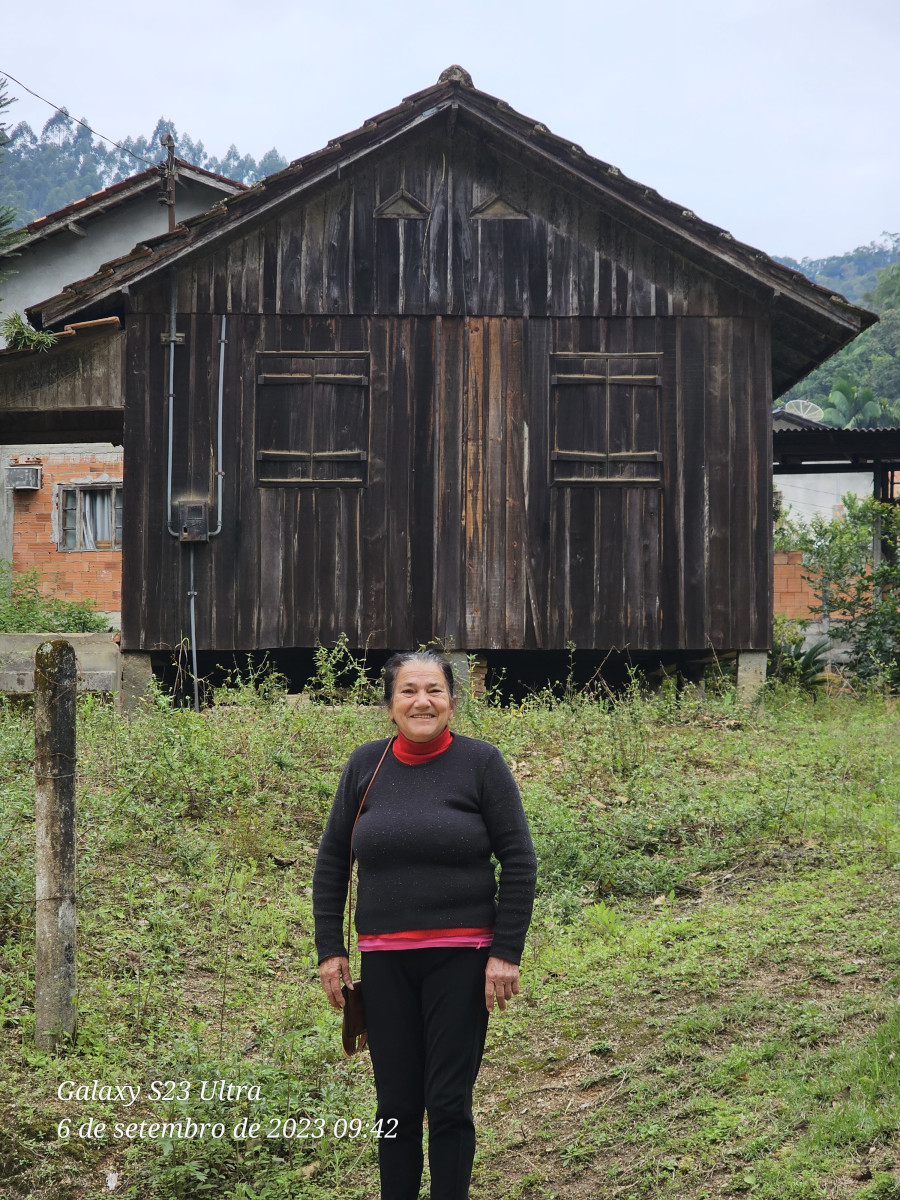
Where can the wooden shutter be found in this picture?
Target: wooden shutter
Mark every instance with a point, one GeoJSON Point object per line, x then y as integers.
{"type": "Point", "coordinates": [312, 419]}
{"type": "Point", "coordinates": [605, 420]}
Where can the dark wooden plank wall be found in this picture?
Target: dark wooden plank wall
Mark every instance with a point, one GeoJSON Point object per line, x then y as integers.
{"type": "Point", "coordinates": [457, 533]}
{"type": "Point", "coordinates": [82, 372]}
{"type": "Point", "coordinates": [565, 257]}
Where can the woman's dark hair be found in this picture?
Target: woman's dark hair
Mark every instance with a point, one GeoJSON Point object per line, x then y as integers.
{"type": "Point", "coordinates": [427, 657]}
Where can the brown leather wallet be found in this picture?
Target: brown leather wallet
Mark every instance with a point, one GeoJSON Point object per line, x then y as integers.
{"type": "Point", "coordinates": [353, 1027]}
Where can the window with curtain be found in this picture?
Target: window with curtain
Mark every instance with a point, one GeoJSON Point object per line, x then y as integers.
{"type": "Point", "coordinates": [90, 518]}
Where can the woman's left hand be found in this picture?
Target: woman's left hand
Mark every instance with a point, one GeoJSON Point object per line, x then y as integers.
{"type": "Point", "coordinates": [501, 979]}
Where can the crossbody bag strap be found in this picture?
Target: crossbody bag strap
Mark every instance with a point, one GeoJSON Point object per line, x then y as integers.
{"type": "Point", "coordinates": [352, 831]}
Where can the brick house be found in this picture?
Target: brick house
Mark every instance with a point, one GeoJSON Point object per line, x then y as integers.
{"type": "Point", "coordinates": [65, 526]}
{"type": "Point", "coordinates": [814, 465]}
{"type": "Point", "coordinates": [69, 528]}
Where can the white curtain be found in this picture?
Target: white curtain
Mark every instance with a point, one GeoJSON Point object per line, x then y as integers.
{"type": "Point", "coordinates": [96, 518]}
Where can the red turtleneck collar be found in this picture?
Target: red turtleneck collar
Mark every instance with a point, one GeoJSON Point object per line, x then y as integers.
{"type": "Point", "coordinates": [413, 753]}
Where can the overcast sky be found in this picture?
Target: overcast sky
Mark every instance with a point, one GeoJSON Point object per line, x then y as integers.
{"type": "Point", "coordinates": [776, 119]}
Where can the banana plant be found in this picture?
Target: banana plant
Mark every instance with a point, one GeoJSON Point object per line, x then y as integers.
{"type": "Point", "coordinates": [851, 407]}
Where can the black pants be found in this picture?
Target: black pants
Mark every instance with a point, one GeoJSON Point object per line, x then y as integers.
{"type": "Point", "coordinates": [427, 1022]}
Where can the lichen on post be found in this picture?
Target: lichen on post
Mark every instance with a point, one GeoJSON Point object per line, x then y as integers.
{"type": "Point", "coordinates": [55, 682]}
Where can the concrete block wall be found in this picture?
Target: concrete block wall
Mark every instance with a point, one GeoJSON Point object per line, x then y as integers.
{"type": "Point", "coordinates": [97, 656]}
{"type": "Point", "coordinates": [74, 574]}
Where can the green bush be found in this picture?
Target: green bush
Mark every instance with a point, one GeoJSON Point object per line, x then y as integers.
{"type": "Point", "coordinates": [340, 675]}
{"type": "Point", "coordinates": [790, 663]}
{"type": "Point", "coordinates": [20, 335]}
{"type": "Point", "coordinates": [25, 608]}
{"type": "Point", "coordinates": [857, 589]}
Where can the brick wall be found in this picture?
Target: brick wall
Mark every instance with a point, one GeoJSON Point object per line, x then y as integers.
{"type": "Point", "coordinates": [74, 574]}
{"type": "Point", "coordinates": [793, 595]}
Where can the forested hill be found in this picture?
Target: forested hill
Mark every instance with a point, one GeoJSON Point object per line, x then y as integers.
{"type": "Point", "coordinates": [41, 173]}
{"type": "Point", "coordinates": [852, 274]}
{"type": "Point", "coordinates": [868, 370]}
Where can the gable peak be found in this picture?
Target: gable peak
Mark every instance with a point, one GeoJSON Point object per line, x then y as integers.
{"type": "Point", "coordinates": [456, 74]}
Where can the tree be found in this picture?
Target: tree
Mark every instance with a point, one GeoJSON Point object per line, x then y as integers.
{"type": "Point", "coordinates": [270, 162]}
{"type": "Point", "coordinates": [873, 359]}
{"type": "Point", "coordinates": [8, 235]}
{"type": "Point", "coordinates": [46, 172]}
{"type": "Point", "coordinates": [853, 564]}
{"type": "Point", "coordinates": [885, 296]}
{"type": "Point", "coordinates": [853, 273]}
{"type": "Point", "coordinates": [851, 407]}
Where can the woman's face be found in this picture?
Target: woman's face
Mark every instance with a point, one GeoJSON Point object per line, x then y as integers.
{"type": "Point", "coordinates": [421, 706]}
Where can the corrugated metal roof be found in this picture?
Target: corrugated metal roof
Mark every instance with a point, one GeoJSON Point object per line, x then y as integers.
{"type": "Point", "coordinates": [855, 448]}
{"type": "Point", "coordinates": [792, 420]}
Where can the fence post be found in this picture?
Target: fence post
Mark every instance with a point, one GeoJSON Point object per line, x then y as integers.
{"type": "Point", "coordinates": [55, 680]}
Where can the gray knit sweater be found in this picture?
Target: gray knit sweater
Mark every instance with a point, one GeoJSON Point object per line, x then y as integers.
{"type": "Point", "coordinates": [424, 843]}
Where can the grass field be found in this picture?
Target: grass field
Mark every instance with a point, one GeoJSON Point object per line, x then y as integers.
{"type": "Point", "coordinates": [710, 987]}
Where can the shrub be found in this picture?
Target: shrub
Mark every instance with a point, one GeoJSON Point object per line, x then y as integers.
{"type": "Point", "coordinates": [341, 676]}
{"type": "Point", "coordinates": [25, 608]}
{"type": "Point", "coordinates": [853, 563]}
{"type": "Point", "coordinates": [790, 663]}
{"type": "Point", "coordinates": [20, 335]}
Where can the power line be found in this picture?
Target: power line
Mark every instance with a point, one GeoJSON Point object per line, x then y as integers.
{"type": "Point", "coordinates": [59, 108]}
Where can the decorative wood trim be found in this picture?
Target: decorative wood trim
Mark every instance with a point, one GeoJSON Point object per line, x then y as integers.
{"type": "Point", "coordinates": [623, 483]}
{"type": "Point", "coordinates": [495, 208]}
{"type": "Point", "coordinates": [403, 206]}
{"type": "Point", "coordinates": [624, 380]}
{"type": "Point", "coordinates": [317, 455]}
{"type": "Point", "coordinates": [310, 483]}
{"type": "Point", "coordinates": [283, 380]}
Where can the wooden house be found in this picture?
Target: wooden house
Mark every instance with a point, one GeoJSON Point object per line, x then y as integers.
{"type": "Point", "coordinates": [474, 385]}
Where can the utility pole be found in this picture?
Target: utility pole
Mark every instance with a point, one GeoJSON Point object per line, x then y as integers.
{"type": "Point", "coordinates": [168, 173]}
{"type": "Point", "coordinates": [55, 679]}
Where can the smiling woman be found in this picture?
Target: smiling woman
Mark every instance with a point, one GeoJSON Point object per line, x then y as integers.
{"type": "Point", "coordinates": [440, 942]}
{"type": "Point", "coordinates": [422, 703]}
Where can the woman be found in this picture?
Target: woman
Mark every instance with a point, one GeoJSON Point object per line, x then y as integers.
{"type": "Point", "coordinates": [437, 949]}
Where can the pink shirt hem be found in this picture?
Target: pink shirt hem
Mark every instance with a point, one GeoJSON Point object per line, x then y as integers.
{"type": "Point", "coordinates": [478, 942]}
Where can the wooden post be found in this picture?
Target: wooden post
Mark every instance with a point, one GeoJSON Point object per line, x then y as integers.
{"type": "Point", "coordinates": [55, 679]}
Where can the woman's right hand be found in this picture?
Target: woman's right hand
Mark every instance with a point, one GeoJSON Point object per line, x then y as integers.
{"type": "Point", "coordinates": [331, 972]}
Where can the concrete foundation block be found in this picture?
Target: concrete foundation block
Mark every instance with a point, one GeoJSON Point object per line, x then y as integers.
{"type": "Point", "coordinates": [136, 672]}
{"type": "Point", "coordinates": [751, 674]}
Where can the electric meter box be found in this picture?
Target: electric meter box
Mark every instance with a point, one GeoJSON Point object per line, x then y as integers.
{"type": "Point", "coordinates": [193, 520]}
